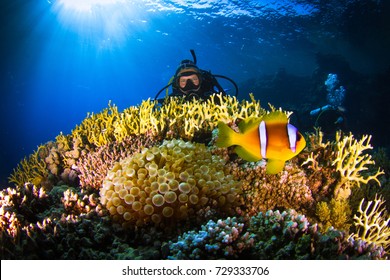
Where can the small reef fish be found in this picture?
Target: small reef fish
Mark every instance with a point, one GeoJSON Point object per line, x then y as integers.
{"type": "Point", "coordinates": [270, 137]}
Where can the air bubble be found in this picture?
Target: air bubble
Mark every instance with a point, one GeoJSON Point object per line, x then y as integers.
{"type": "Point", "coordinates": [120, 209]}
{"type": "Point", "coordinates": [149, 156]}
{"type": "Point", "coordinates": [127, 216]}
{"type": "Point", "coordinates": [183, 198]}
{"type": "Point", "coordinates": [173, 185]}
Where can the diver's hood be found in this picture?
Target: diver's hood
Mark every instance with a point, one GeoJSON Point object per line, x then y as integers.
{"type": "Point", "coordinates": [186, 66]}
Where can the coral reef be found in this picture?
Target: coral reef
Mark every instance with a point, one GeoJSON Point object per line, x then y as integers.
{"type": "Point", "coordinates": [64, 224]}
{"type": "Point", "coordinates": [176, 118]}
{"type": "Point", "coordinates": [142, 183]}
{"type": "Point", "coordinates": [289, 189]}
{"type": "Point", "coordinates": [270, 235]}
{"type": "Point", "coordinates": [172, 181]}
{"type": "Point", "coordinates": [339, 171]}
{"type": "Point", "coordinates": [288, 235]}
{"type": "Point", "coordinates": [32, 169]}
{"type": "Point", "coordinates": [336, 214]}
{"type": "Point", "coordinates": [373, 223]}
{"type": "Point", "coordinates": [94, 166]}
{"type": "Point", "coordinates": [221, 239]}
{"type": "Point", "coordinates": [350, 162]}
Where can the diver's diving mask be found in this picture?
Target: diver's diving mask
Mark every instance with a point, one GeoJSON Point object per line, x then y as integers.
{"type": "Point", "coordinates": [188, 81]}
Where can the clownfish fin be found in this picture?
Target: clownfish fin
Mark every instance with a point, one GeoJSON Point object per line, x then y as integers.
{"type": "Point", "coordinates": [275, 117]}
{"type": "Point", "coordinates": [226, 136]}
{"type": "Point", "coordinates": [244, 154]}
{"type": "Point", "coordinates": [274, 166]}
{"type": "Point", "coordinates": [248, 123]}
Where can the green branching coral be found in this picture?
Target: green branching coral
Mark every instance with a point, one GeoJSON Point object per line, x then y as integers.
{"type": "Point", "coordinates": [373, 223]}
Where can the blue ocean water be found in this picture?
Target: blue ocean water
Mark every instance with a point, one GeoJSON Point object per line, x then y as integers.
{"type": "Point", "coordinates": [63, 58]}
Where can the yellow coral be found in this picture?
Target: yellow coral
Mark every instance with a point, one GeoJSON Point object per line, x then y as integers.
{"type": "Point", "coordinates": [336, 213]}
{"type": "Point", "coordinates": [181, 118]}
{"type": "Point", "coordinates": [176, 118]}
{"type": "Point", "coordinates": [98, 129]}
{"type": "Point", "coordinates": [350, 162]}
{"type": "Point", "coordinates": [32, 169]}
{"type": "Point", "coordinates": [63, 142]}
{"type": "Point", "coordinates": [166, 183]}
{"type": "Point", "coordinates": [320, 151]}
{"type": "Point", "coordinates": [373, 223]}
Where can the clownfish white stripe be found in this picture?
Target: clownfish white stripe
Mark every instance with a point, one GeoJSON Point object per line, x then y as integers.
{"type": "Point", "coordinates": [292, 137]}
{"type": "Point", "coordinates": [263, 139]}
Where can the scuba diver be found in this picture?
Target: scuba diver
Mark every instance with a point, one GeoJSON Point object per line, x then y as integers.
{"type": "Point", "coordinates": [190, 82]}
{"type": "Point", "coordinates": [331, 117]}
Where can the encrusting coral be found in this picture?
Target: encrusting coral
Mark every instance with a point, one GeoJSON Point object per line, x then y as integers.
{"type": "Point", "coordinates": [289, 189]}
{"type": "Point", "coordinates": [123, 184]}
{"type": "Point", "coordinates": [172, 181]}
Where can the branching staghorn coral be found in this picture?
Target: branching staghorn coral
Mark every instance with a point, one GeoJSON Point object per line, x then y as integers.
{"type": "Point", "coordinates": [373, 223]}
{"type": "Point", "coordinates": [320, 152]}
{"type": "Point", "coordinates": [350, 162]}
{"type": "Point", "coordinates": [175, 118]}
{"type": "Point", "coordinates": [97, 129]}
{"type": "Point", "coordinates": [32, 169]}
{"type": "Point", "coordinates": [339, 166]}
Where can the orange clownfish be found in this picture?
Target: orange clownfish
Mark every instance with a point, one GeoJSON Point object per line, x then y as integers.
{"type": "Point", "coordinates": [270, 137]}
